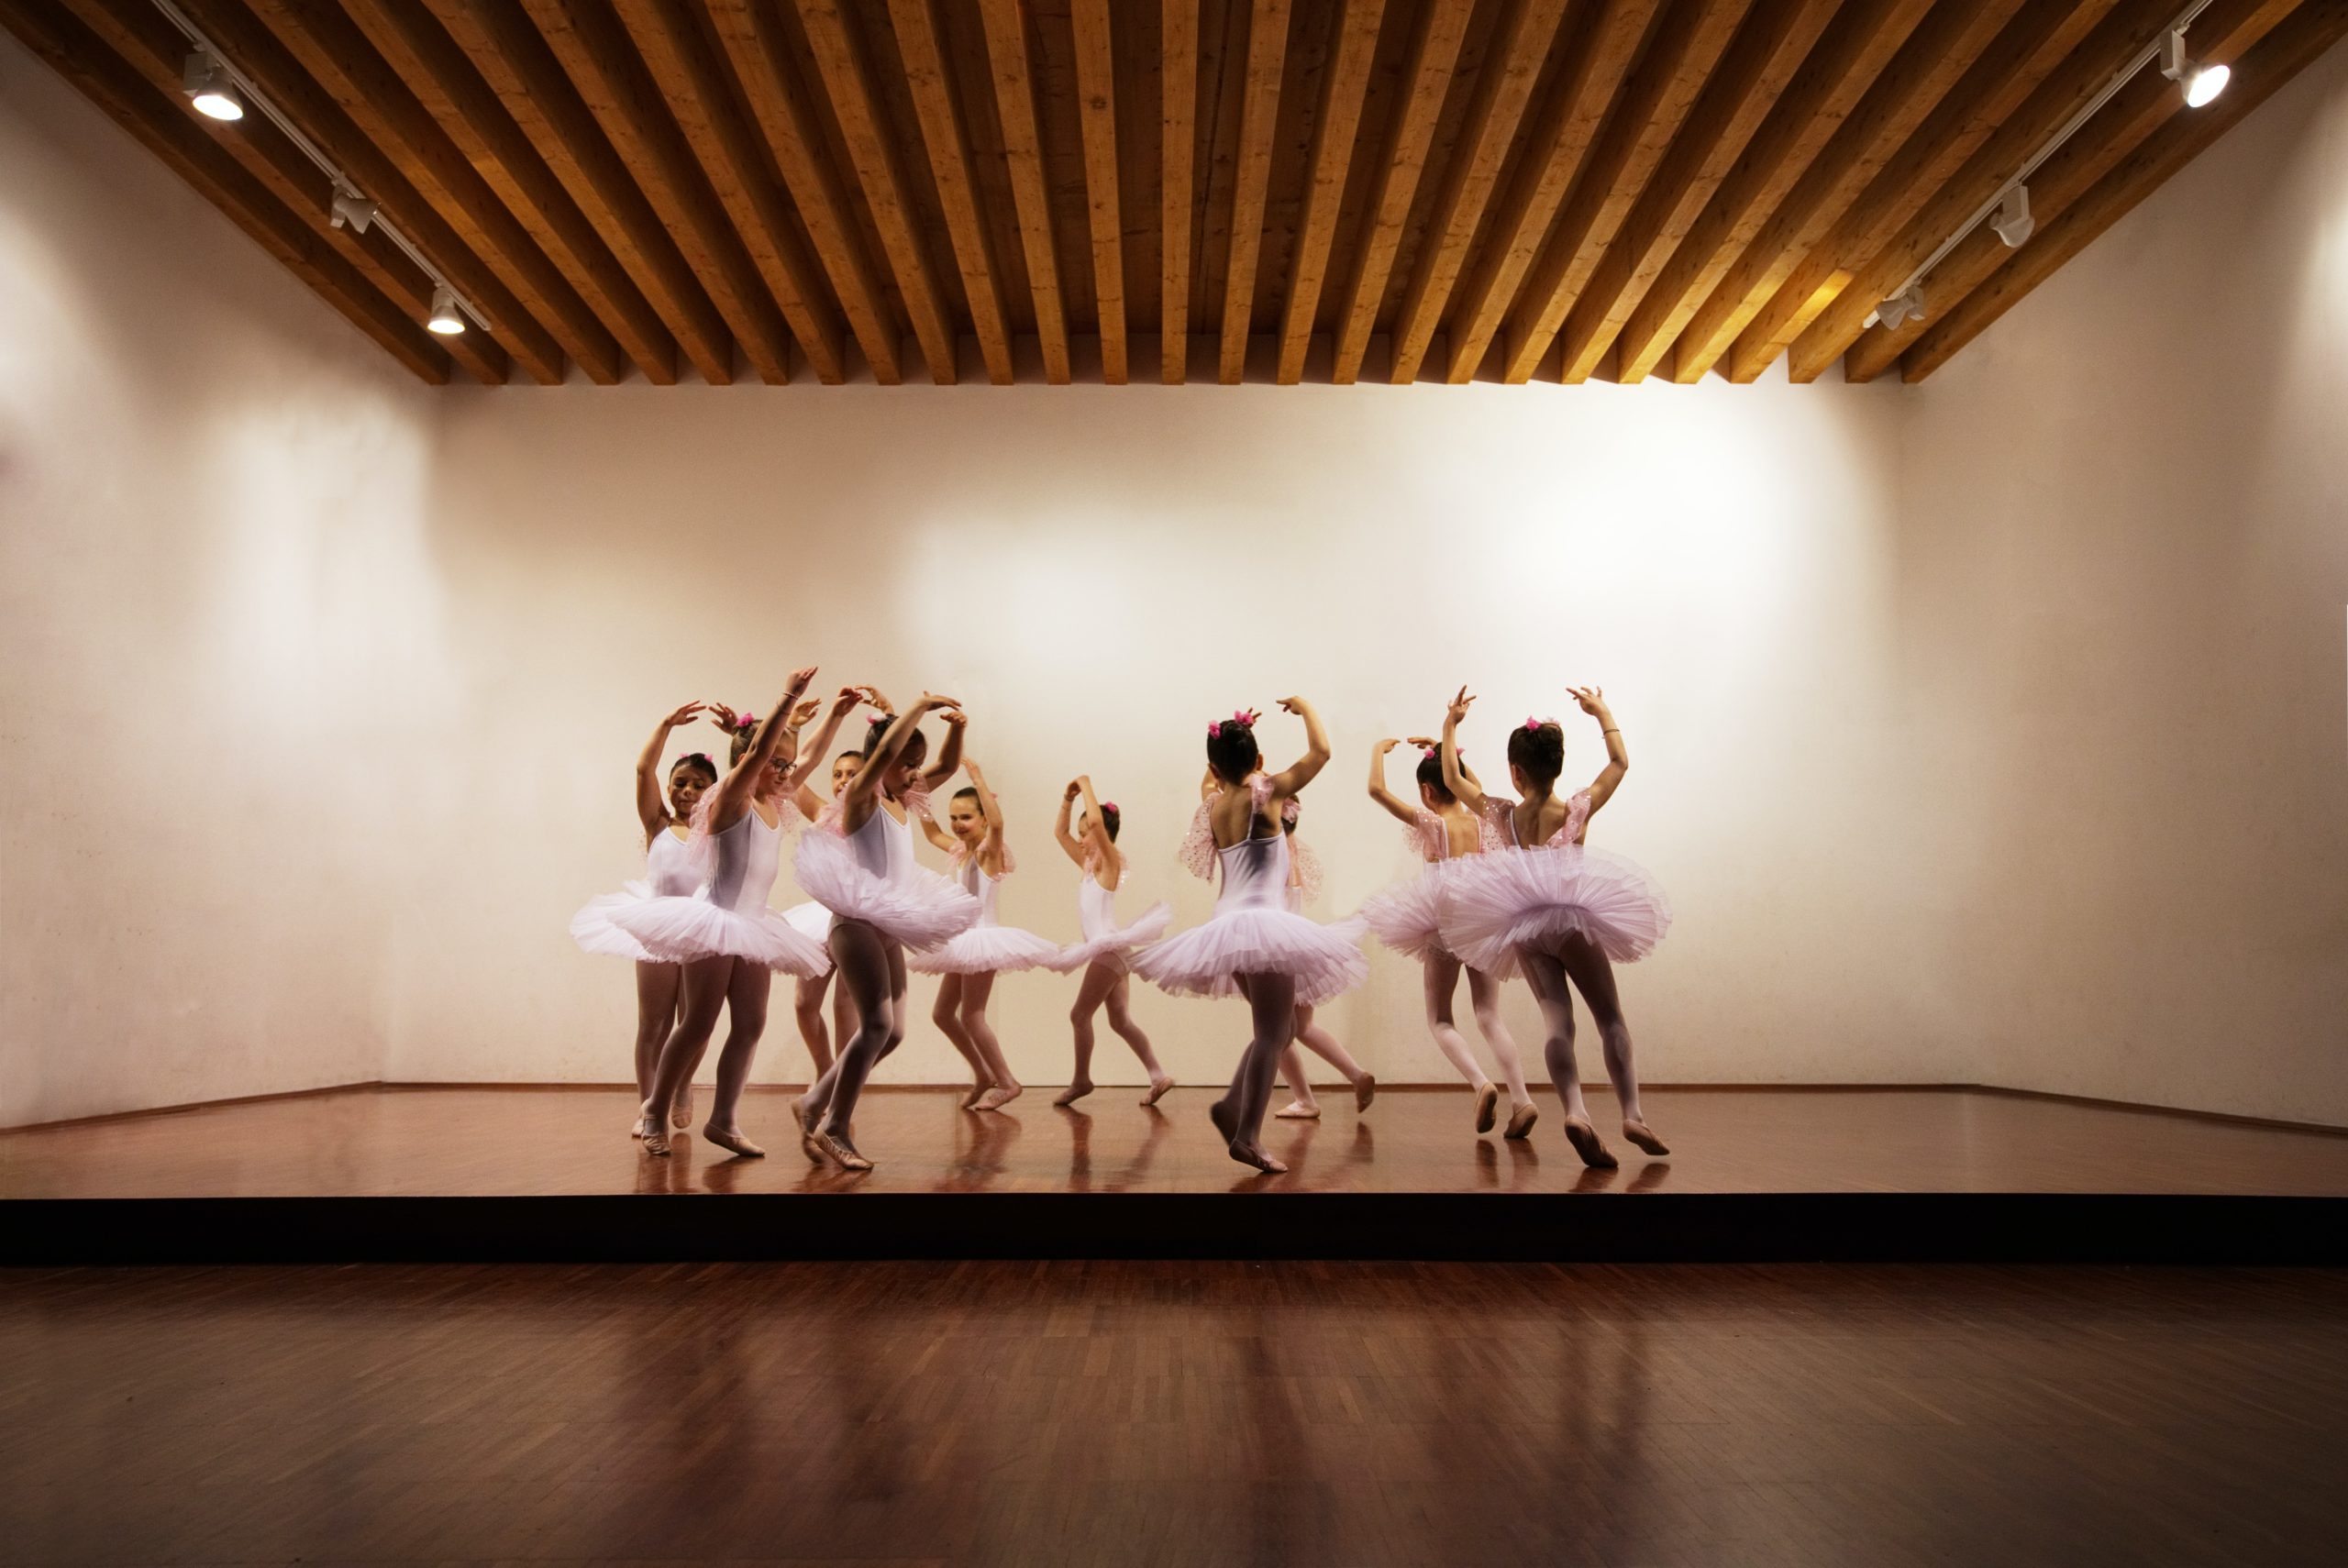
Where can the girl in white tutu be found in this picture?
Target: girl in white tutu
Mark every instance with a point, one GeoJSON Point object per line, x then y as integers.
{"type": "Point", "coordinates": [1444, 831]}
{"type": "Point", "coordinates": [970, 962]}
{"type": "Point", "coordinates": [813, 921]}
{"type": "Point", "coordinates": [728, 939]}
{"type": "Point", "coordinates": [667, 873]}
{"type": "Point", "coordinates": [1303, 883]}
{"type": "Point", "coordinates": [1106, 951]}
{"type": "Point", "coordinates": [1252, 945]}
{"type": "Point", "coordinates": [859, 863]}
{"type": "Point", "coordinates": [1566, 912]}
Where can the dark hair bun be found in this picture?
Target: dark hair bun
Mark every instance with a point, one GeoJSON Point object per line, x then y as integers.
{"type": "Point", "coordinates": [1232, 751]}
{"type": "Point", "coordinates": [1110, 819]}
{"type": "Point", "coordinates": [1431, 775]}
{"type": "Point", "coordinates": [1539, 750]}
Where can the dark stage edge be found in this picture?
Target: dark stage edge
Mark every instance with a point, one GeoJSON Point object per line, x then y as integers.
{"type": "Point", "coordinates": [1838, 1227]}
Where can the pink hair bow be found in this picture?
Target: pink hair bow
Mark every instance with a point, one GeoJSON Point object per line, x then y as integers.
{"type": "Point", "coordinates": [1108, 805]}
{"type": "Point", "coordinates": [1239, 717]}
{"type": "Point", "coordinates": [1215, 729]}
{"type": "Point", "coordinates": [746, 721]}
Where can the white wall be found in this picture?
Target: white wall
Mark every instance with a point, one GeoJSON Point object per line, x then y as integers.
{"type": "Point", "coordinates": [216, 623]}
{"type": "Point", "coordinates": [2127, 512]}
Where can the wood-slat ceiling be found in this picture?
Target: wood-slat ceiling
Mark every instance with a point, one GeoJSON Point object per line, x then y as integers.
{"type": "Point", "coordinates": [1283, 190]}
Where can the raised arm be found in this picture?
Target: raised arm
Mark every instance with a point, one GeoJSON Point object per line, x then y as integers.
{"type": "Point", "coordinates": [1378, 789]}
{"type": "Point", "coordinates": [1060, 824]}
{"type": "Point", "coordinates": [865, 785]}
{"type": "Point", "coordinates": [1432, 743]}
{"type": "Point", "coordinates": [811, 756]}
{"type": "Point", "coordinates": [1618, 760]}
{"type": "Point", "coordinates": [651, 800]}
{"type": "Point", "coordinates": [774, 739]}
{"type": "Point", "coordinates": [938, 837]}
{"type": "Point", "coordinates": [988, 808]}
{"type": "Point", "coordinates": [1300, 772]}
{"type": "Point", "coordinates": [1456, 776]}
{"type": "Point", "coordinates": [949, 755]}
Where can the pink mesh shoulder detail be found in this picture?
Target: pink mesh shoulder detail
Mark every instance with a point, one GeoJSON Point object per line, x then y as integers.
{"type": "Point", "coordinates": [1197, 853]}
{"type": "Point", "coordinates": [1425, 836]}
{"type": "Point", "coordinates": [1576, 818]}
{"type": "Point", "coordinates": [1308, 868]}
{"type": "Point", "coordinates": [1499, 823]}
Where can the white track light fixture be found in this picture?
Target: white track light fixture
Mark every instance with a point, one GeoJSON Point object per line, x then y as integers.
{"type": "Point", "coordinates": [446, 318]}
{"type": "Point", "coordinates": [351, 210]}
{"type": "Point", "coordinates": [2201, 83]}
{"type": "Point", "coordinates": [1900, 308]}
{"type": "Point", "coordinates": [2014, 223]}
{"type": "Point", "coordinates": [206, 83]}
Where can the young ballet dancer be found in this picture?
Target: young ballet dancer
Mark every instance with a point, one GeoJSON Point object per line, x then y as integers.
{"type": "Point", "coordinates": [971, 961]}
{"type": "Point", "coordinates": [1567, 913]}
{"type": "Point", "coordinates": [1253, 945]}
{"type": "Point", "coordinates": [1444, 831]}
{"type": "Point", "coordinates": [667, 873]}
{"type": "Point", "coordinates": [1304, 882]}
{"type": "Point", "coordinates": [1105, 952]}
{"type": "Point", "coordinates": [859, 863]}
{"type": "Point", "coordinates": [728, 940]}
{"type": "Point", "coordinates": [815, 922]}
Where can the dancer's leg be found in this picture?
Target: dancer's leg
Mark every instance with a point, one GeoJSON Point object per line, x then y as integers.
{"type": "Point", "coordinates": [655, 1016]}
{"type": "Point", "coordinates": [807, 1006]}
{"type": "Point", "coordinates": [1324, 1045]}
{"type": "Point", "coordinates": [1440, 972]}
{"type": "Point", "coordinates": [1585, 964]}
{"type": "Point", "coordinates": [1304, 1105]}
{"type": "Point", "coordinates": [1239, 1115]}
{"type": "Point", "coordinates": [1090, 992]}
{"type": "Point", "coordinates": [1484, 997]}
{"type": "Point", "coordinates": [1006, 1087]}
{"type": "Point", "coordinates": [1547, 978]}
{"type": "Point", "coordinates": [947, 1013]}
{"type": "Point", "coordinates": [873, 969]}
{"type": "Point", "coordinates": [746, 1007]}
{"type": "Point", "coordinates": [1121, 1019]}
{"type": "Point", "coordinates": [701, 993]}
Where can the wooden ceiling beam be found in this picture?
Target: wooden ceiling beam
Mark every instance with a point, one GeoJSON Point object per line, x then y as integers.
{"type": "Point", "coordinates": [1560, 140]}
{"type": "Point", "coordinates": [452, 92]}
{"type": "Point", "coordinates": [1410, 135]}
{"type": "Point", "coordinates": [1679, 57]}
{"type": "Point", "coordinates": [511, 57]}
{"type": "Point", "coordinates": [2296, 43]}
{"type": "Point", "coordinates": [2219, 36]}
{"type": "Point", "coordinates": [1344, 86]}
{"type": "Point", "coordinates": [1013, 70]}
{"type": "Point", "coordinates": [137, 33]}
{"type": "Point", "coordinates": [1251, 178]}
{"type": "Point", "coordinates": [1864, 38]}
{"type": "Point", "coordinates": [274, 69]}
{"type": "Point", "coordinates": [363, 84]}
{"type": "Point", "coordinates": [785, 113]}
{"type": "Point", "coordinates": [766, 289]}
{"type": "Point", "coordinates": [949, 146]}
{"type": "Point", "coordinates": [1503, 87]}
{"type": "Point", "coordinates": [1096, 105]}
{"type": "Point", "coordinates": [165, 127]}
{"type": "Point", "coordinates": [1753, 74]}
{"type": "Point", "coordinates": [1929, 65]}
{"type": "Point", "coordinates": [1177, 102]}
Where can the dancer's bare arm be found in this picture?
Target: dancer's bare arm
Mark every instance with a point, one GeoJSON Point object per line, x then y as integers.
{"type": "Point", "coordinates": [1456, 776]}
{"type": "Point", "coordinates": [949, 755]}
{"type": "Point", "coordinates": [864, 788]}
{"type": "Point", "coordinates": [651, 800]}
{"type": "Point", "coordinates": [812, 756]}
{"type": "Point", "coordinates": [990, 846]}
{"type": "Point", "coordinates": [1618, 760]}
{"type": "Point", "coordinates": [1096, 835]}
{"type": "Point", "coordinates": [1379, 792]}
{"type": "Point", "coordinates": [774, 739]}
{"type": "Point", "coordinates": [1063, 825]}
{"type": "Point", "coordinates": [1303, 772]}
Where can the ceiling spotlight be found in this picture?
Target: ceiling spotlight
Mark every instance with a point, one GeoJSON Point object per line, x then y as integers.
{"type": "Point", "coordinates": [206, 82]}
{"type": "Point", "coordinates": [352, 209]}
{"type": "Point", "coordinates": [1900, 308]}
{"type": "Point", "coordinates": [445, 319]}
{"type": "Point", "coordinates": [2201, 83]}
{"type": "Point", "coordinates": [2012, 221]}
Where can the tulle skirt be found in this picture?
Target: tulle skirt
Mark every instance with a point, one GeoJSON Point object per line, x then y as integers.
{"type": "Point", "coordinates": [985, 950]}
{"type": "Point", "coordinates": [1115, 947]}
{"type": "Point", "coordinates": [1407, 918]}
{"type": "Point", "coordinates": [592, 927]}
{"type": "Point", "coordinates": [1323, 960]}
{"type": "Point", "coordinates": [918, 910]}
{"type": "Point", "coordinates": [680, 930]}
{"type": "Point", "coordinates": [810, 920]}
{"type": "Point", "coordinates": [1513, 899]}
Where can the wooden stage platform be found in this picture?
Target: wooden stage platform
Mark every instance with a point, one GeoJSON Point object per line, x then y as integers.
{"type": "Point", "coordinates": [549, 1174]}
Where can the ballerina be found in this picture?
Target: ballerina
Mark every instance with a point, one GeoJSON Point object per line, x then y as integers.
{"type": "Point", "coordinates": [667, 873]}
{"type": "Point", "coordinates": [1303, 882]}
{"type": "Point", "coordinates": [1566, 912]}
{"type": "Point", "coordinates": [1253, 945]}
{"type": "Point", "coordinates": [1444, 831]}
{"type": "Point", "coordinates": [815, 922]}
{"type": "Point", "coordinates": [728, 940]}
{"type": "Point", "coordinates": [1105, 952]}
{"type": "Point", "coordinates": [859, 863]}
{"type": "Point", "coordinates": [971, 961]}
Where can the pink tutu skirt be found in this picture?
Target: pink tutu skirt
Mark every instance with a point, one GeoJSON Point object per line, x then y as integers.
{"type": "Point", "coordinates": [1499, 903]}
{"type": "Point", "coordinates": [810, 920]}
{"type": "Point", "coordinates": [680, 930]}
{"type": "Point", "coordinates": [592, 927]}
{"type": "Point", "coordinates": [919, 909]}
{"type": "Point", "coordinates": [1323, 960]}
{"type": "Point", "coordinates": [985, 950]}
{"type": "Point", "coordinates": [1116, 947]}
{"type": "Point", "coordinates": [1407, 918]}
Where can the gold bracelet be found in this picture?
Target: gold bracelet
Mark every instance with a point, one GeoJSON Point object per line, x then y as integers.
{"type": "Point", "coordinates": [1610, 731]}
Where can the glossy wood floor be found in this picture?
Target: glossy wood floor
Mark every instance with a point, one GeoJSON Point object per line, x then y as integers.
{"type": "Point", "coordinates": [529, 1141]}
{"type": "Point", "coordinates": [1164, 1415]}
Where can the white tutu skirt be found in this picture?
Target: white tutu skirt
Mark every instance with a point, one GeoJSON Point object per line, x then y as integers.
{"type": "Point", "coordinates": [985, 950]}
{"type": "Point", "coordinates": [677, 930]}
{"type": "Point", "coordinates": [919, 909]}
{"type": "Point", "coordinates": [592, 927]}
{"type": "Point", "coordinates": [1116, 946]}
{"type": "Point", "coordinates": [810, 920]}
{"type": "Point", "coordinates": [1407, 918]}
{"type": "Point", "coordinates": [1499, 903]}
{"type": "Point", "coordinates": [1323, 960]}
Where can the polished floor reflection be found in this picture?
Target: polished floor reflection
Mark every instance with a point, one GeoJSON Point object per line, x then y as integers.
{"type": "Point", "coordinates": [1165, 1415]}
{"type": "Point", "coordinates": [538, 1141]}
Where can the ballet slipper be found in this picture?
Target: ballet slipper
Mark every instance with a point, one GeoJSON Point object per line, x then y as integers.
{"type": "Point", "coordinates": [680, 1114]}
{"type": "Point", "coordinates": [1000, 1096]}
{"type": "Point", "coordinates": [1588, 1145]}
{"type": "Point", "coordinates": [1251, 1154]}
{"type": "Point", "coordinates": [1365, 1090]}
{"type": "Point", "coordinates": [727, 1138]}
{"type": "Point", "coordinates": [637, 1130]}
{"type": "Point", "coordinates": [1297, 1110]}
{"type": "Point", "coordinates": [656, 1140]}
{"type": "Point", "coordinates": [837, 1150]}
{"type": "Point", "coordinates": [1073, 1093]}
{"type": "Point", "coordinates": [1521, 1121]}
{"type": "Point", "coordinates": [1158, 1088]}
{"type": "Point", "coordinates": [1641, 1134]}
{"type": "Point", "coordinates": [804, 1111]}
{"type": "Point", "coordinates": [812, 1149]}
{"type": "Point", "coordinates": [1488, 1099]}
